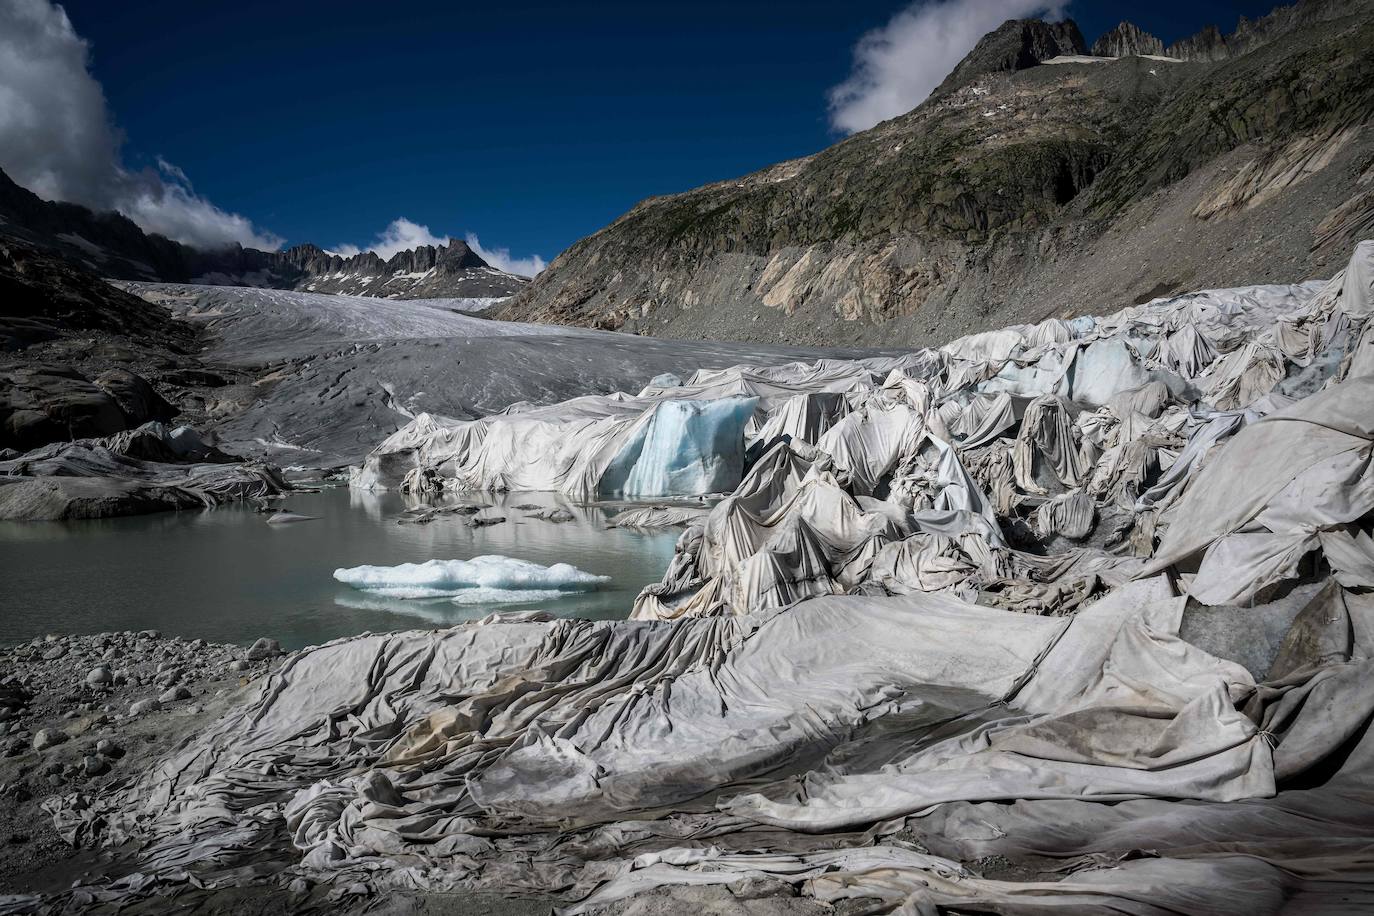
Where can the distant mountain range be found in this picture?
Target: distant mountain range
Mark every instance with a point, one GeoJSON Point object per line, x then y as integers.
{"type": "Point", "coordinates": [111, 245]}
{"type": "Point", "coordinates": [1043, 177]}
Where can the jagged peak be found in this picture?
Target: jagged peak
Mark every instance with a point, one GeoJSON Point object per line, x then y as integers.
{"type": "Point", "coordinates": [1016, 45]}
{"type": "Point", "coordinates": [1125, 40]}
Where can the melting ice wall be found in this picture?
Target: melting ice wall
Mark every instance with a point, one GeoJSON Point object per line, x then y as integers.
{"type": "Point", "coordinates": [685, 448]}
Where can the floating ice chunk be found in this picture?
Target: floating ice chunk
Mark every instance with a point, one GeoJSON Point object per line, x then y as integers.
{"type": "Point", "coordinates": [481, 580]}
{"type": "Point", "coordinates": [684, 448]}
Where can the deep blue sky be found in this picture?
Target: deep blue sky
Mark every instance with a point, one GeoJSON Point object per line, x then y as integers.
{"type": "Point", "coordinates": [531, 124]}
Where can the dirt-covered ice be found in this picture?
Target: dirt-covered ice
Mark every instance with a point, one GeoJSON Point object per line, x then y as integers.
{"type": "Point", "coordinates": [338, 373]}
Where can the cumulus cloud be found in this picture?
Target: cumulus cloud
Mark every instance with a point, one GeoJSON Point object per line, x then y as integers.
{"type": "Point", "coordinates": [404, 234]}
{"type": "Point", "coordinates": [897, 66]}
{"type": "Point", "coordinates": [57, 137]}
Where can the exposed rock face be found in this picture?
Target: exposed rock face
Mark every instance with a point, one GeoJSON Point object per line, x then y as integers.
{"type": "Point", "coordinates": [427, 272]}
{"type": "Point", "coordinates": [1021, 194]}
{"type": "Point", "coordinates": [52, 403]}
{"type": "Point", "coordinates": [79, 357]}
{"type": "Point", "coordinates": [1211, 44]}
{"type": "Point", "coordinates": [1016, 45]}
{"type": "Point", "coordinates": [1127, 40]}
{"type": "Point", "coordinates": [113, 246]}
{"type": "Point", "coordinates": [1208, 44]}
{"type": "Point", "coordinates": [139, 401]}
{"type": "Point", "coordinates": [43, 297]}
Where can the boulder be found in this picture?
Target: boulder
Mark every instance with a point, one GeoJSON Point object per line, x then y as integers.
{"type": "Point", "coordinates": [144, 706]}
{"type": "Point", "coordinates": [174, 694]}
{"type": "Point", "coordinates": [264, 649]}
{"type": "Point", "coordinates": [48, 737]}
{"type": "Point", "coordinates": [139, 401]}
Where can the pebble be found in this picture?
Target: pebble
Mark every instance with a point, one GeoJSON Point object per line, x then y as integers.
{"type": "Point", "coordinates": [142, 706]}
{"type": "Point", "coordinates": [99, 676]}
{"type": "Point", "coordinates": [48, 737]}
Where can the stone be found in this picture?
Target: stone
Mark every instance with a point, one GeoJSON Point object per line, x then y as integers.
{"type": "Point", "coordinates": [106, 747]}
{"type": "Point", "coordinates": [239, 665]}
{"type": "Point", "coordinates": [99, 677]}
{"type": "Point", "coordinates": [174, 694]}
{"type": "Point", "coordinates": [48, 737]}
{"type": "Point", "coordinates": [95, 766]}
{"type": "Point", "coordinates": [264, 649]}
{"type": "Point", "coordinates": [143, 706]}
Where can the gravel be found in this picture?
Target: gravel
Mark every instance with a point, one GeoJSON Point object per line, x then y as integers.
{"type": "Point", "coordinates": [72, 719]}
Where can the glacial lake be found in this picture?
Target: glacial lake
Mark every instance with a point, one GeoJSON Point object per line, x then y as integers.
{"type": "Point", "coordinates": [226, 575]}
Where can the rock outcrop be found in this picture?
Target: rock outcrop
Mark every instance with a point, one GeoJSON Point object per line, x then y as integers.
{"type": "Point", "coordinates": [1016, 44]}
{"type": "Point", "coordinates": [1127, 40]}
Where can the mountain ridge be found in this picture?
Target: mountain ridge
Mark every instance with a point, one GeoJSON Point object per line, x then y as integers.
{"type": "Point", "coordinates": [1012, 194]}
{"type": "Point", "coordinates": [112, 245]}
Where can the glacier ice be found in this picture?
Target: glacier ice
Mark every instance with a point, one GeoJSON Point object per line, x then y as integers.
{"type": "Point", "coordinates": [489, 579]}
{"type": "Point", "coordinates": [683, 448]}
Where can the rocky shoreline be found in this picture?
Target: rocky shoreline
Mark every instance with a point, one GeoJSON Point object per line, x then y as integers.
{"type": "Point", "coordinates": [86, 714]}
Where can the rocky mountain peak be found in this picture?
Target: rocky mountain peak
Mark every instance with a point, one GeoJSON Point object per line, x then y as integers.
{"type": "Point", "coordinates": [458, 255]}
{"type": "Point", "coordinates": [1208, 44]}
{"type": "Point", "coordinates": [1127, 40]}
{"type": "Point", "coordinates": [1016, 45]}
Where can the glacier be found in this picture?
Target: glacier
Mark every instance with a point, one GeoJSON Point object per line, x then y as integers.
{"type": "Point", "coordinates": [684, 448]}
{"type": "Point", "coordinates": [1047, 595]}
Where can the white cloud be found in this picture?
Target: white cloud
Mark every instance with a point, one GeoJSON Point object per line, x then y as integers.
{"type": "Point", "coordinates": [501, 259]}
{"type": "Point", "coordinates": [897, 66]}
{"type": "Point", "coordinates": [404, 234]}
{"type": "Point", "coordinates": [58, 140]}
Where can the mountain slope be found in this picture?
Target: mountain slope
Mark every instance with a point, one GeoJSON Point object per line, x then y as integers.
{"type": "Point", "coordinates": [1011, 194]}
{"type": "Point", "coordinates": [113, 246]}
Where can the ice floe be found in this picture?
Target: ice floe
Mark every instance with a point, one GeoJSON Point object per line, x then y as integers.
{"type": "Point", "coordinates": [480, 580]}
